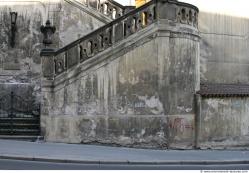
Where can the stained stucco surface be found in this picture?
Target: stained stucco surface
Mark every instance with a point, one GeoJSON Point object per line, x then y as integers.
{"type": "Point", "coordinates": [224, 122]}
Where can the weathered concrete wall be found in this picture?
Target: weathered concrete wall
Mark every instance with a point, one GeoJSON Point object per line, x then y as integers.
{"type": "Point", "coordinates": [224, 122]}
{"type": "Point", "coordinates": [73, 23]}
{"type": "Point", "coordinates": [22, 64]}
{"type": "Point", "coordinates": [224, 48]}
{"type": "Point", "coordinates": [139, 94]}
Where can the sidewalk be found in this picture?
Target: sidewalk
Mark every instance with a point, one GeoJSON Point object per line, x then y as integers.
{"type": "Point", "coordinates": [74, 153]}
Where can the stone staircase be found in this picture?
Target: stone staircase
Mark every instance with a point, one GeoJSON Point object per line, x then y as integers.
{"type": "Point", "coordinates": [103, 38]}
{"type": "Point", "coordinates": [25, 128]}
{"type": "Point", "coordinates": [19, 118]}
{"type": "Point", "coordinates": [20, 126]}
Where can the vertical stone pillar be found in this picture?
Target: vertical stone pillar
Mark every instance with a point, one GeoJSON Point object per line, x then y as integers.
{"type": "Point", "coordinates": [47, 101]}
{"type": "Point", "coordinates": [197, 120]}
{"type": "Point", "coordinates": [48, 66]}
{"type": "Point", "coordinates": [178, 64]}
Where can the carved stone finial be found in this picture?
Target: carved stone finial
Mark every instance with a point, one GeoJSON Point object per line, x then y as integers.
{"type": "Point", "coordinates": [47, 31]}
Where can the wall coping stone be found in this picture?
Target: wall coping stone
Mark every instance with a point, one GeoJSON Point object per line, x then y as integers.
{"type": "Point", "coordinates": [224, 90]}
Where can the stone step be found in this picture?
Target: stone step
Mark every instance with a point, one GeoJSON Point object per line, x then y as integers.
{"type": "Point", "coordinates": [34, 120]}
{"type": "Point", "coordinates": [24, 132]}
{"type": "Point", "coordinates": [19, 126]}
{"type": "Point", "coordinates": [19, 116]}
{"type": "Point", "coordinates": [22, 137]}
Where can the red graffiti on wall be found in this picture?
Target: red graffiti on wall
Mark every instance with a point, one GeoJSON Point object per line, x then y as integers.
{"type": "Point", "coordinates": [180, 125]}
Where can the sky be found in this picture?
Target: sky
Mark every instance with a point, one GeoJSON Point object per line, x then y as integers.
{"type": "Point", "coordinates": [126, 2]}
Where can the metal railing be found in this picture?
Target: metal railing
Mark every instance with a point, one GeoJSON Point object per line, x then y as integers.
{"type": "Point", "coordinates": [19, 116]}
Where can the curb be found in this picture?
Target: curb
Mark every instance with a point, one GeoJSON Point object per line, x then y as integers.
{"type": "Point", "coordinates": [127, 162]}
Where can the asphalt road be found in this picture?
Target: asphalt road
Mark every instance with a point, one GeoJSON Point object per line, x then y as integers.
{"type": "Point", "coordinates": [34, 165]}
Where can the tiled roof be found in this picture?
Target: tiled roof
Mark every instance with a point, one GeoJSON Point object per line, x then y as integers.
{"type": "Point", "coordinates": [224, 90]}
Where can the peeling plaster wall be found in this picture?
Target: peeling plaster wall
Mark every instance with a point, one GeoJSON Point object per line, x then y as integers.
{"type": "Point", "coordinates": [224, 122]}
{"type": "Point", "coordinates": [142, 97]}
{"type": "Point", "coordinates": [224, 48]}
{"type": "Point", "coordinates": [74, 23]}
{"type": "Point", "coordinates": [22, 64]}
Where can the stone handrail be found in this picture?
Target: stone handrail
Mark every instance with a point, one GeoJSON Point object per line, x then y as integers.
{"type": "Point", "coordinates": [109, 8]}
{"type": "Point", "coordinates": [117, 30]}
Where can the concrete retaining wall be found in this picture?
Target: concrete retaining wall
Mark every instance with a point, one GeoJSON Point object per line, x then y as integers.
{"type": "Point", "coordinates": [224, 122]}
{"type": "Point", "coordinates": [140, 93]}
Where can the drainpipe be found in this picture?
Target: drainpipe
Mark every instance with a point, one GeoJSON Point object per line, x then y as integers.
{"type": "Point", "coordinates": [197, 120]}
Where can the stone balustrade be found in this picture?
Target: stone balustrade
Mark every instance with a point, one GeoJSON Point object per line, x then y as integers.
{"type": "Point", "coordinates": [109, 8]}
{"type": "Point", "coordinates": [117, 30]}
